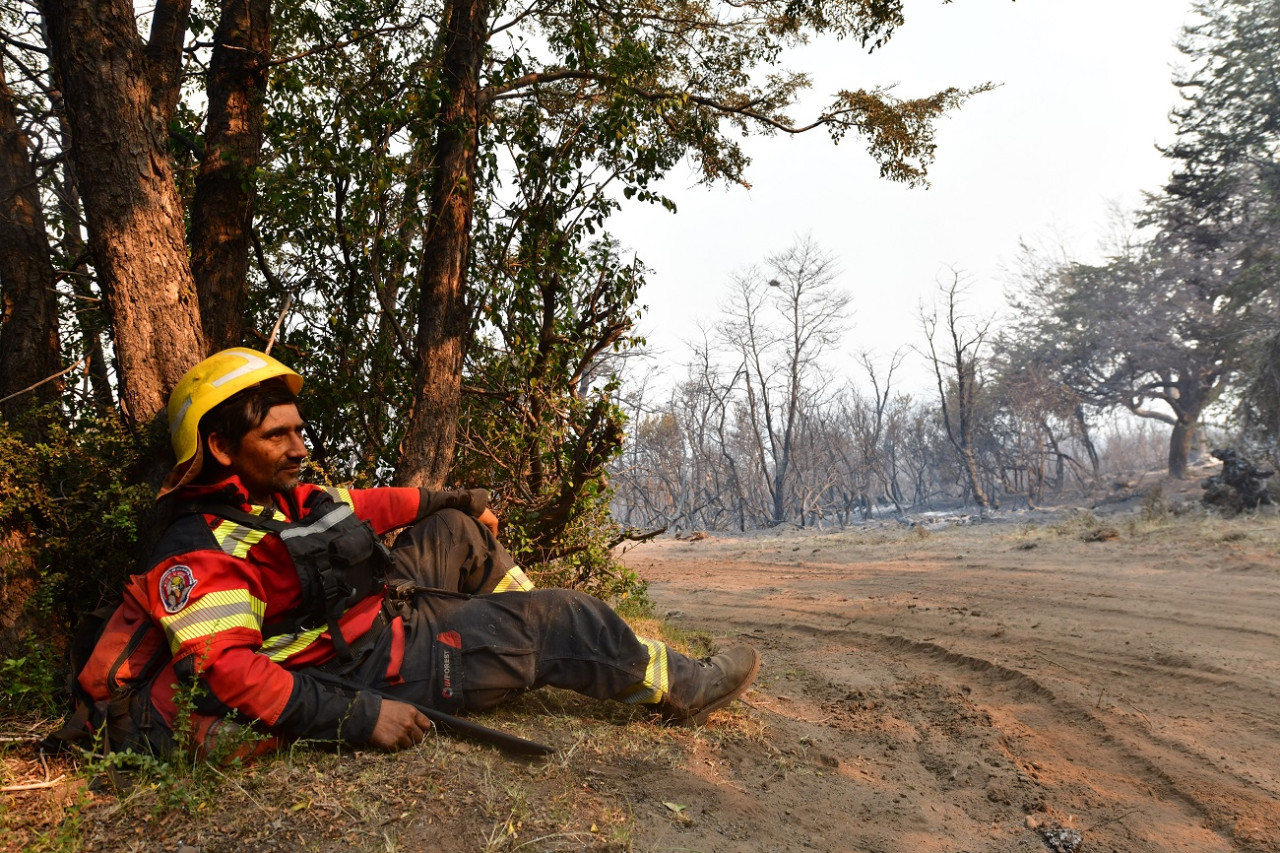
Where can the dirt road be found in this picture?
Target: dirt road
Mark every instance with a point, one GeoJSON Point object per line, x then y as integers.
{"type": "Point", "coordinates": [992, 687]}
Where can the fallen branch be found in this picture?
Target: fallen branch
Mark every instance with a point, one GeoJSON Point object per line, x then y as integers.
{"type": "Point", "coordinates": [1054, 662]}
{"type": "Point", "coordinates": [33, 786]}
{"type": "Point", "coordinates": [633, 536]}
{"type": "Point", "coordinates": [1097, 826]}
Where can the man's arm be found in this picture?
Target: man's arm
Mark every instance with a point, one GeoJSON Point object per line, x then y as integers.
{"type": "Point", "coordinates": [391, 508]}
{"type": "Point", "coordinates": [288, 703]}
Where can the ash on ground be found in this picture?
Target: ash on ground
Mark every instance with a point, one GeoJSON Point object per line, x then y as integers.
{"type": "Point", "coordinates": [1061, 839]}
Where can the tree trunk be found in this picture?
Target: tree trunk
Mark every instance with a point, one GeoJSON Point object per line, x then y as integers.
{"type": "Point", "coordinates": [1180, 448]}
{"type": "Point", "coordinates": [222, 212]}
{"type": "Point", "coordinates": [29, 351]}
{"type": "Point", "coordinates": [19, 581]}
{"type": "Point", "coordinates": [1087, 440]}
{"type": "Point", "coordinates": [443, 319]}
{"type": "Point", "coordinates": [779, 509]}
{"type": "Point", "coordinates": [1192, 399]}
{"type": "Point", "coordinates": [119, 100]}
{"type": "Point", "coordinates": [975, 478]}
{"type": "Point", "coordinates": [90, 317]}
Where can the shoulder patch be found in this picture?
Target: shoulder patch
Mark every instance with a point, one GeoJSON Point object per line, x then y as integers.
{"type": "Point", "coordinates": [175, 587]}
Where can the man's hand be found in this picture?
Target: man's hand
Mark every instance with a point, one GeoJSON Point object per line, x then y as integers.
{"type": "Point", "coordinates": [489, 520]}
{"type": "Point", "coordinates": [399, 725]}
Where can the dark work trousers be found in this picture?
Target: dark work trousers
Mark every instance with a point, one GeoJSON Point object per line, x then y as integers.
{"type": "Point", "coordinates": [460, 646]}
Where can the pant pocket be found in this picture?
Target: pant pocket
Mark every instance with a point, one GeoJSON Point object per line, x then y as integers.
{"type": "Point", "coordinates": [496, 673]}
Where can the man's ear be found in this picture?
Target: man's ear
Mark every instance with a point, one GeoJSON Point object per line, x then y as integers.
{"type": "Point", "coordinates": [219, 449]}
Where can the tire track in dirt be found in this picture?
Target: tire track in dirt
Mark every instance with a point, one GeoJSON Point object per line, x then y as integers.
{"type": "Point", "coordinates": [1035, 708]}
{"type": "Point", "coordinates": [1137, 754]}
{"type": "Point", "coordinates": [1142, 753]}
{"type": "Point", "coordinates": [895, 657]}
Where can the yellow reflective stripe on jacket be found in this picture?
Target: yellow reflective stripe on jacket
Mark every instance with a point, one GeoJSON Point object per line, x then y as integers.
{"type": "Point", "coordinates": [657, 677]}
{"type": "Point", "coordinates": [276, 514]}
{"type": "Point", "coordinates": [515, 580]}
{"type": "Point", "coordinates": [286, 646]}
{"type": "Point", "coordinates": [236, 539]}
{"type": "Point", "coordinates": [341, 495]}
{"type": "Point", "coordinates": [212, 613]}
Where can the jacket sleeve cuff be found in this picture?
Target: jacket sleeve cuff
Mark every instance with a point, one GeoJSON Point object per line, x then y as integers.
{"type": "Point", "coordinates": [320, 712]}
{"type": "Point", "coordinates": [358, 727]}
{"type": "Point", "coordinates": [471, 501]}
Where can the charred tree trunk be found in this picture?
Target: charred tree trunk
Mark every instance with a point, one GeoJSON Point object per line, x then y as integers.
{"type": "Point", "coordinates": [29, 351]}
{"type": "Point", "coordinates": [222, 213]}
{"type": "Point", "coordinates": [1180, 440]}
{"type": "Point", "coordinates": [1188, 405]}
{"type": "Point", "coordinates": [443, 318]}
{"type": "Point", "coordinates": [961, 361]}
{"type": "Point", "coordinates": [966, 389]}
{"type": "Point", "coordinates": [119, 98]}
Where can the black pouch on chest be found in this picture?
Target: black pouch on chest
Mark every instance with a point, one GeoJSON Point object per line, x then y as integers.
{"type": "Point", "coordinates": [338, 558]}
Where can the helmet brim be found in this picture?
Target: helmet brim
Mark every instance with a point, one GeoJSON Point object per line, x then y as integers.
{"type": "Point", "coordinates": [182, 473]}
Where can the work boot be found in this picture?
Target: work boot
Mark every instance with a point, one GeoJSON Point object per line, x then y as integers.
{"type": "Point", "coordinates": [702, 686]}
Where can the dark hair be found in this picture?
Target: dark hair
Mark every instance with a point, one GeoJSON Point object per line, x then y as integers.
{"type": "Point", "coordinates": [245, 410]}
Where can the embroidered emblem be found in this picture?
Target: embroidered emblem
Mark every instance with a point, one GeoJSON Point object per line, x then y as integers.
{"type": "Point", "coordinates": [175, 587]}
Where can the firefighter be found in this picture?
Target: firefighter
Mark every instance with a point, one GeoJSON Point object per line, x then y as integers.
{"type": "Point", "coordinates": [278, 599]}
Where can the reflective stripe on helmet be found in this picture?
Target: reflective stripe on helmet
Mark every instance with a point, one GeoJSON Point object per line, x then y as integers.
{"type": "Point", "coordinates": [251, 363]}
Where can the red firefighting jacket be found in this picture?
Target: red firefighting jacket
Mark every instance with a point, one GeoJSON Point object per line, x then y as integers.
{"type": "Point", "coordinates": [215, 583]}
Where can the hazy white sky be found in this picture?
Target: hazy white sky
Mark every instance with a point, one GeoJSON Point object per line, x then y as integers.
{"type": "Point", "coordinates": [1084, 98]}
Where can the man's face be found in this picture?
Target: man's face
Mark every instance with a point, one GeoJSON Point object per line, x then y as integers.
{"type": "Point", "coordinates": [269, 458]}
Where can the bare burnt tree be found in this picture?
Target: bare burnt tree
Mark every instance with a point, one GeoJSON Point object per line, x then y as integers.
{"type": "Point", "coordinates": [874, 424]}
{"type": "Point", "coordinates": [705, 401]}
{"type": "Point", "coordinates": [955, 343]}
{"type": "Point", "coordinates": [813, 457]}
{"type": "Point", "coordinates": [781, 321]}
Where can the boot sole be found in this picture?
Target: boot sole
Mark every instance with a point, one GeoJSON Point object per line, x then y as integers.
{"type": "Point", "coordinates": [700, 718]}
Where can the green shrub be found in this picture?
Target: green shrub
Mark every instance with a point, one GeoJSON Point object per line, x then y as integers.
{"type": "Point", "coordinates": [71, 507]}
{"type": "Point", "coordinates": [30, 682]}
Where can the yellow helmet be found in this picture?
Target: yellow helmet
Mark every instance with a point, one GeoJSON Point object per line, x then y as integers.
{"type": "Point", "coordinates": [204, 386]}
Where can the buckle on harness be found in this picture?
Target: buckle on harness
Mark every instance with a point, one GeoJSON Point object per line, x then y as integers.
{"type": "Point", "coordinates": [401, 590]}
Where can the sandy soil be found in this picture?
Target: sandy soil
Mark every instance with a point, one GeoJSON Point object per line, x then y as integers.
{"type": "Point", "coordinates": [1092, 685]}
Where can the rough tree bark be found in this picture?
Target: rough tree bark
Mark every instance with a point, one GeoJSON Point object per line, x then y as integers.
{"type": "Point", "coordinates": [443, 321]}
{"type": "Point", "coordinates": [29, 351]}
{"type": "Point", "coordinates": [120, 95]}
{"type": "Point", "coordinates": [222, 212]}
